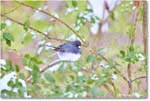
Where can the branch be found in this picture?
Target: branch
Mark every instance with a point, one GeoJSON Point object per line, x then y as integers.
{"type": "Point", "coordinates": [11, 10]}
{"type": "Point", "coordinates": [142, 77]}
{"type": "Point", "coordinates": [103, 21]}
{"type": "Point", "coordinates": [44, 69]}
{"type": "Point", "coordinates": [50, 65]}
{"type": "Point", "coordinates": [55, 19]}
{"type": "Point", "coordinates": [118, 71]}
{"type": "Point", "coordinates": [34, 29]}
{"type": "Point", "coordinates": [135, 14]}
{"type": "Point", "coordinates": [1, 49]}
{"type": "Point", "coordinates": [144, 26]}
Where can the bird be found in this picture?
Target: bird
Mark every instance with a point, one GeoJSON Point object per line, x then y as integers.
{"type": "Point", "coordinates": [70, 51]}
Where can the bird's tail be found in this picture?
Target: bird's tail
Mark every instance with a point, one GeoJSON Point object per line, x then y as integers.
{"type": "Point", "coordinates": [51, 46]}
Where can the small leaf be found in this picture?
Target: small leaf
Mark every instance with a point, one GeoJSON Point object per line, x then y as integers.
{"type": "Point", "coordinates": [122, 52]}
{"type": "Point", "coordinates": [26, 25]}
{"type": "Point", "coordinates": [27, 38]}
{"type": "Point", "coordinates": [11, 84]}
{"type": "Point", "coordinates": [74, 3]}
{"type": "Point", "coordinates": [99, 50]}
{"type": "Point", "coordinates": [2, 25]}
{"type": "Point", "coordinates": [8, 38]}
{"type": "Point", "coordinates": [89, 10]}
{"type": "Point", "coordinates": [102, 80]}
{"type": "Point", "coordinates": [96, 92]}
{"type": "Point", "coordinates": [35, 73]}
{"type": "Point", "coordinates": [112, 16]}
{"type": "Point", "coordinates": [91, 58]}
{"type": "Point", "coordinates": [21, 75]}
{"type": "Point", "coordinates": [92, 20]}
{"type": "Point", "coordinates": [16, 68]}
{"type": "Point", "coordinates": [49, 77]}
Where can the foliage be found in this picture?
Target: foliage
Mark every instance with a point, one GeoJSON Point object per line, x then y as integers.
{"type": "Point", "coordinates": [99, 72]}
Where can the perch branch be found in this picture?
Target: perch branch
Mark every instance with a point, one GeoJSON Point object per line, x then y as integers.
{"type": "Point", "coordinates": [45, 68]}
{"type": "Point", "coordinates": [49, 66]}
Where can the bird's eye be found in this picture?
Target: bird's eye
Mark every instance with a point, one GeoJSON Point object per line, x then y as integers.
{"type": "Point", "coordinates": [79, 46]}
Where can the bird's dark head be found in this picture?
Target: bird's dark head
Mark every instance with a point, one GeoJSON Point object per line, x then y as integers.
{"type": "Point", "coordinates": [77, 43]}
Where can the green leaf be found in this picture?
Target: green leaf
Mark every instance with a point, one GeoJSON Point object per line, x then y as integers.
{"type": "Point", "coordinates": [96, 92]}
{"type": "Point", "coordinates": [8, 38]}
{"type": "Point", "coordinates": [34, 3]}
{"type": "Point", "coordinates": [16, 68]}
{"type": "Point", "coordinates": [89, 10]}
{"type": "Point", "coordinates": [99, 50]}
{"type": "Point", "coordinates": [92, 20]}
{"type": "Point", "coordinates": [36, 87]}
{"type": "Point", "coordinates": [35, 73]}
{"type": "Point", "coordinates": [49, 77]}
{"type": "Point", "coordinates": [102, 80]}
{"type": "Point", "coordinates": [2, 25]}
{"type": "Point", "coordinates": [11, 84]}
{"type": "Point", "coordinates": [26, 25]}
{"type": "Point", "coordinates": [112, 16]}
{"type": "Point", "coordinates": [21, 75]}
{"type": "Point", "coordinates": [25, 61]}
{"type": "Point", "coordinates": [91, 58]}
{"type": "Point", "coordinates": [27, 38]}
{"type": "Point", "coordinates": [122, 52]}
{"type": "Point", "coordinates": [130, 30]}
{"type": "Point", "coordinates": [74, 3]}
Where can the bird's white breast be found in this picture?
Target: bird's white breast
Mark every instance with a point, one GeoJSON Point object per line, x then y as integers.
{"type": "Point", "coordinates": [68, 56]}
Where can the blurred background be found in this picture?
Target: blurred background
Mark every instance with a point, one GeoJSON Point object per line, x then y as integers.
{"type": "Point", "coordinates": [113, 34]}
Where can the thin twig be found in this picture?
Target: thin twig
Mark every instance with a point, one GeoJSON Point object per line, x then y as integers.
{"type": "Point", "coordinates": [34, 29]}
{"type": "Point", "coordinates": [108, 89]}
{"type": "Point", "coordinates": [132, 39]}
{"type": "Point", "coordinates": [55, 19]}
{"type": "Point", "coordinates": [118, 71]}
{"type": "Point", "coordinates": [12, 10]}
{"type": "Point", "coordinates": [1, 49]}
{"type": "Point", "coordinates": [144, 26]}
{"type": "Point", "coordinates": [142, 77]}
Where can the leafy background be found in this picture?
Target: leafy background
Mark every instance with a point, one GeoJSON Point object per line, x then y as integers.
{"type": "Point", "coordinates": [113, 62]}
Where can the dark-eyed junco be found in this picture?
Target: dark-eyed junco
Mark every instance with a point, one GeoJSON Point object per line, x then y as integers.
{"type": "Point", "coordinates": [70, 51]}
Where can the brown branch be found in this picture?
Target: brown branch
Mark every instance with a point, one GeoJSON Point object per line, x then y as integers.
{"type": "Point", "coordinates": [118, 71]}
{"type": "Point", "coordinates": [34, 29]}
{"type": "Point", "coordinates": [144, 26]}
{"type": "Point", "coordinates": [50, 65]}
{"type": "Point", "coordinates": [142, 77]}
{"type": "Point", "coordinates": [55, 19]}
{"type": "Point", "coordinates": [108, 89]}
{"type": "Point", "coordinates": [12, 10]}
{"type": "Point", "coordinates": [1, 49]}
{"type": "Point", "coordinates": [103, 21]}
{"type": "Point", "coordinates": [45, 68]}
{"type": "Point", "coordinates": [135, 14]}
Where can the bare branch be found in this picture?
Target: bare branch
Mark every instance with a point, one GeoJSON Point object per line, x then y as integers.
{"type": "Point", "coordinates": [34, 29]}
{"type": "Point", "coordinates": [142, 77]}
{"type": "Point", "coordinates": [135, 14]}
{"type": "Point", "coordinates": [144, 26]}
{"type": "Point", "coordinates": [12, 10]}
